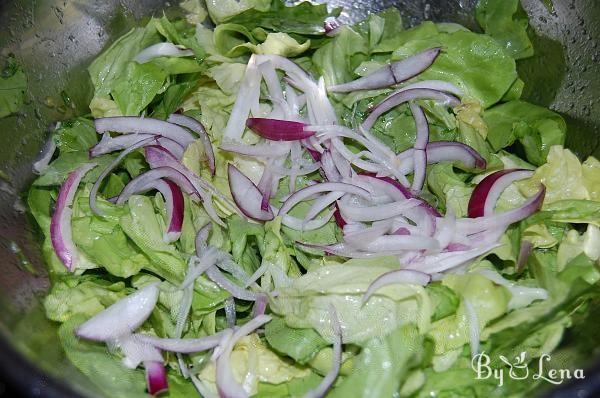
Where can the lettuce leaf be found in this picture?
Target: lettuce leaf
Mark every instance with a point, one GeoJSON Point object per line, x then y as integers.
{"type": "Point", "coordinates": [13, 86]}
{"type": "Point", "coordinates": [383, 364]}
{"type": "Point", "coordinates": [303, 18]}
{"type": "Point", "coordinates": [474, 62]}
{"type": "Point", "coordinates": [564, 178]}
{"type": "Point", "coordinates": [299, 344]}
{"type": "Point", "coordinates": [506, 22]}
{"type": "Point", "coordinates": [306, 303]}
{"type": "Point", "coordinates": [536, 128]}
{"type": "Point", "coordinates": [94, 361]}
{"type": "Point", "coordinates": [83, 295]}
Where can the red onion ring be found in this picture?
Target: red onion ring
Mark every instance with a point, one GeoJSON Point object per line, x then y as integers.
{"type": "Point", "coordinates": [486, 194]}
{"type": "Point", "coordinates": [401, 276]}
{"type": "Point", "coordinates": [60, 224]}
{"type": "Point", "coordinates": [306, 192]}
{"type": "Point", "coordinates": [278, 130]}
{"type": "Point", "coordinates": [144, 125]}
{"type": "Point", "coordinates": [122, 317]}
{"type": "Point", "coordinates": [247, 196]}
{"type": "Point", "coordinates": [405, 96]}
{"type": "Point", "coordinates": [156, 377]}
{"type": "Point", "coordinates": [198, 128]}
{"type": "Point", "coordinates": [394, 73]}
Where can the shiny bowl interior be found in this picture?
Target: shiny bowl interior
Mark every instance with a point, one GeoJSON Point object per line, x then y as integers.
{"type": "Point", "coordinates": [56, 39]}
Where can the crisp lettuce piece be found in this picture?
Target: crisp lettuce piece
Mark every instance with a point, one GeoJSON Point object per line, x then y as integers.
{"type": "Point", "coordinates": [536, 128]}
{"type": "Point", "coordinates": [338, 59]}
{"type": "Point", "coordinates": [563, 176]}
{"type": "Point", "coordinates": [574, 244]}
{"type": "Point", "coordinates": [276, 253]}
{"type": "Point", "coordinates": [506, 22]}
{"type": "Point", "coordinates": [102, 239]}
{"type": "Point", "coordinates": [282, 44]}
{"type": "Point", "coordinates": [145, 228]}
{"type": "Point", "coordinates": [423, 31]}
{"type": "Point", "coordinates": [299, 344]}
{"type": "Point", "coordinates": [59, 169]}
{"type": "Point", "coordinates": [104, 107]}
{"type": "Point", "coordinates": [13, 86]}
{"type": "Point", "coordinates": [172, 98]}
{"type": "Point", "coordinates": [450, 188]}
{"type": "Point", "coordinates": [297, 387]}
{"type": "Point", "coordinates": [303, 18]}
{"type": "Point", "coordinates": [112, 63]}
{"type": "Point", "coordinates": [78, 134]}
{"type": "Point", "coordinates": [444, 300]}
{"type": "Point", "coordinates": [489, 301]}
{"type": "Point", "coordinates": [474, 62]}
{"type": "Point", "coordinates": [179, 32]}
{"type": "Point", "coordinates": [84, 295]}
{"type": "Point", "coordinates": [228, 76]}
{"type": "Point", "coordinates": [215, 107]}
{"type": "Point", "coordinates": [382, 364]}
{"type": "Point", "coordinates": [306, 303]}
{"type": "Point", "coordinates": [251, 355]}
{"type": "Point", "coordinates": [137, 86]}
{"type": "Point", "coordinates": [105, 371]}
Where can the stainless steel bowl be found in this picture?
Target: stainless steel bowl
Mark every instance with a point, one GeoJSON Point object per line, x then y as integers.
{"type": "Point", "coordinates": [57, 39]}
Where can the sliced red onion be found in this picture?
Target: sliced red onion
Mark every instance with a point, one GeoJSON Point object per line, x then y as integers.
{"type": "Point", "coordinates": [402, 231]}
{"type": "Point", "coordinates": [391, 74]}
{"type": "Point", "coordinates": [419, 175]}
{"type": "Point", "coordinates": [226, 383]}
{"type": "Point", "coordinates": [444, 151]}
{"type": "Point", "coordinates": [122, 317]}
{"type": "Point", "coordinates": [247, 196]}
{"type": "Point", "coordinates": [305, 224]}
{"type": "Point", "coordinates": [422, 135]}
{"type": "Point", "coordinates": [145, 181]}
{"type": "Point", "coordinates": [175, 207]}
{"type": "Point", "coordinates": [330, 171]}
{"type": "Point", "coordinates": [156, 377]}
{"type": "Point", "coordinates": [202, 237]}
{"type": "Point", "coordinates": [479, 224]}
{"type": "Point", "coordinates": [330, 377]}
{"type": "Point", "coordinates": [457, 247]}
{"type": "Point", "coordinates": [322, 203]}
{"type": "Point", "coordinates": [198, 128]}
{"type": "Point", "coordinates": [439, 85]}
{"type": "Point", "coordinates": [345, 250]}
{"type": "Point", "coordinates": [260, 305]}
{"type": "Point", "coordinates": [267, 150]}
{"type": "Point", "coordinates": [185, 346]}
{"type": "Point", "coordinates": [157, 156]}
{"type": "Point", "coordinates": [278, 130]}
{"type": "Point", "coordinates": [448, 260]}
{"type": "Point", "coordinates": [248, 93]}
{"type": "Point", "coordinates": [109, 169]}
{"type": "Point", "coordinates": [339, 220]}
{"type": "Point", "coordinates": [136, 351]}
{"type": "Point", "coordinates": [161, 50]}
{"type": "Point", "coordinates": [363, 237]}
{"type": "Point", "coordinates": [473, 326]}
{"type": "Point", "coordinates": [394, 243]}
{"type": "Point", "coordinates": [487, 192]}
{"type": "Point", "coordinates": [227, 264]}
{"type": "Point", "coordinates": [316, 155]}
{"type": "Point", "coordinates": [230, 315]}
{"type": "Point", "coordinates": [303, 193]}
{"type": "Point", "coordinates": [405, 96]}
{"type": "Point", "coordinates": [379, 212]}
{"type": "Point", "coordinates": [144, 125]}
{"type": "Point", "coordinates": [217, 277]}
{"type": "Point", "coordinates": [524, 252]}
{"type": "Point", "coordinates": [45, 156]}
{"type": "Point", "coordinates": [332, 26]}
{"type": "Point", "coordinates": [401, 276]}
{"type": "Point", "coordinates": [110, 144]}
{"type": "Point", "coordinates": [227, 386]}
{"type": "Point", "coordinates": [60, 225]}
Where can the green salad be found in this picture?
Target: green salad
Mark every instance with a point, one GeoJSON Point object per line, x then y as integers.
{"type": "Point", "coordinates": [288, 206]}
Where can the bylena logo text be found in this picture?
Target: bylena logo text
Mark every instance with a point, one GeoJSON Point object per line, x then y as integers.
{"type": "Point", "coordinates": [521, 369]}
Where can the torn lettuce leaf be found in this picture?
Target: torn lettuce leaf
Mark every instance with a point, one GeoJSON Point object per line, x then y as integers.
{"type": "Point", "coordinates": [13, 87]}
{"type": "Point", "coordinates": [506, 22]}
